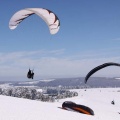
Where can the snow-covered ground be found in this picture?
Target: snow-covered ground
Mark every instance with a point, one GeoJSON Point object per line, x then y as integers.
{"type": "Point", "coordinates": [98, 99]}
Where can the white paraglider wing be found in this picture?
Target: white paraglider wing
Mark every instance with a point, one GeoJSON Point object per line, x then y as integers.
{"type": "Point", "coordinates": [18, 17]}
{"type": "Point", "coordinates": [48, 16]}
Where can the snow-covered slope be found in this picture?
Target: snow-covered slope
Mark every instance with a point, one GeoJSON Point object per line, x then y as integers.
{"type": "Point", "coordinates": [98, 99]}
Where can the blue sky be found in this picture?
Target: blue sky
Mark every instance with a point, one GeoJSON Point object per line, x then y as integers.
{"type": "Point", "coordinates": [89, 35]}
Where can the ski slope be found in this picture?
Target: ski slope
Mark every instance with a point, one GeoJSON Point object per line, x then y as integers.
{"type": "Point", "coordinates": [98, 99]}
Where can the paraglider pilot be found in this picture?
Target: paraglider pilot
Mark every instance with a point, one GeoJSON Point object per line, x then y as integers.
{"type": "Point", "coordinates": [112, 102]}
{"type": "Point", "coordinates": [30, 74]}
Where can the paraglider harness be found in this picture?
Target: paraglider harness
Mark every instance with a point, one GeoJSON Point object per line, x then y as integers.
{"type": "Point", "coordinates": [112, 102]}
{"type": "Point", "coordinates": [30, 74]}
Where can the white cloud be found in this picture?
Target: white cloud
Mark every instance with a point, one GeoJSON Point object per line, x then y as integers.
{"type": "Point", "coordinates": [49, 64]}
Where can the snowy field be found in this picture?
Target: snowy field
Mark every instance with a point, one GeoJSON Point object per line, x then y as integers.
{"type": "Point", "coordinates": [98, 99]}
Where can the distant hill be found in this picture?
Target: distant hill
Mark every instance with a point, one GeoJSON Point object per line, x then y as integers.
{"type": "Point", "coordinates": [92, 82]}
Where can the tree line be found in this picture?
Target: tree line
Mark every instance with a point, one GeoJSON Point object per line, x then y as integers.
{"type": "Point", "coordinates": [34, 94]}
